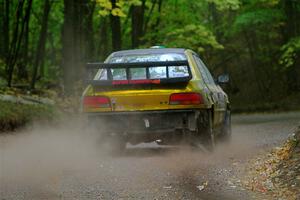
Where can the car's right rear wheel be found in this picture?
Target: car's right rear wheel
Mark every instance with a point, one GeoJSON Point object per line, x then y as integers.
{"type": "Point", "coordinates": [206, 133]}
{"type": "Point", "coordinates": [226, 128]}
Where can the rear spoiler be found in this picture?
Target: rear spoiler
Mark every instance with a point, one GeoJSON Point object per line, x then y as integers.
{"type": "Point", "coordinates": [93, 69]}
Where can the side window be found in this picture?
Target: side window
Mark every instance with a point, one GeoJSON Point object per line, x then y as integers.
{"type": "Point", "coordinates": [201, 69]}
{"type": "Point", "coordinates": [204, 71]}
{"type": "Point", "coordinates": [209, 76]}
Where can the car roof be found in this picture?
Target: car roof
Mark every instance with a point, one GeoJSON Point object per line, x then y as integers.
{"type": "Point", "coordinates": [148, 51]}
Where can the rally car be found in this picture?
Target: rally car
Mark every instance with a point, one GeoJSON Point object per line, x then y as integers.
{"type": "Point", "coordinates": [165, 95]}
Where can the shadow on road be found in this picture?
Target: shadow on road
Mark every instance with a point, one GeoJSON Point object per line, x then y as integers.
{"type": "Point", "coordinates": [149, 151]}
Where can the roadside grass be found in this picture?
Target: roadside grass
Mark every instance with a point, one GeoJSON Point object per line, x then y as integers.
{"type": "Point", "coordinates": [46, 105]}
{"type": "Point", "coordinates": [14, 115]}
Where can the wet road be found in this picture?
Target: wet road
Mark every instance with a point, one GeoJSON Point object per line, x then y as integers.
{"type": "Point", "coordinates": [65, 162]}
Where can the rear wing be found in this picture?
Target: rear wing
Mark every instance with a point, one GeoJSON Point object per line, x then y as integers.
{"type": "Point", "coordinates": [107, 74]}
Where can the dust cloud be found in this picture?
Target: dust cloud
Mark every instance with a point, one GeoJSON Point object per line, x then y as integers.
{"type": "Point", "coordinates": [41, 157]}
{"type": "Point", "coordinates": [40, 154]}
{"type": "Point", "coordinates": [66, 160]}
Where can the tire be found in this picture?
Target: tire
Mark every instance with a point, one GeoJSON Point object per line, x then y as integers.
{"type": "Point", "coordinates": [119, 148]}
{"type": "Point", "coordinates": [114, 145]}
{"type": "Point", "coordinates": [206, 133]}
{"type": "Point", "coordinates": [226, 129]}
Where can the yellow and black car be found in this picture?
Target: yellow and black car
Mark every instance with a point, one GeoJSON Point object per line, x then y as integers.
{"type": "Point", "coordinates": [158, 94]}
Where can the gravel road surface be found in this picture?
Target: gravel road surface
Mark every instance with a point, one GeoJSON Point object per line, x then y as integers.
{"type": "Point", "coordinates": [65, 162]}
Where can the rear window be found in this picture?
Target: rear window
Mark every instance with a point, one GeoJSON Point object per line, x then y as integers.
{"type": "Point", "coordinates": [119, 74]}
{"type": "Point", "coordinates": [138, 73]}
{"type": "Point", "coordinates": [178, 71]}
{"type": "Point", "coordinates": [157, 72]}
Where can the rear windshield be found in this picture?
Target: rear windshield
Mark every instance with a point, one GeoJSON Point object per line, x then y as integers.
{"type": "Point", "coordinates": [157, 72]}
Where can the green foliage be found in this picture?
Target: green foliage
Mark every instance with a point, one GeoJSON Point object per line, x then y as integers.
{"type": "Point", "coordinates": [119, 10]}
{"type": "Point", "coordinates": [180, 26]}
{"type": "Point", "coordinates": [226, 4]}
{"type": "Point", "coordinates": [192, 36]}
{"type": "Point", "coordinates": [241, 37]}
{"type": "Point", "coordinates": [262, 3]}
{"type": "Point", "coordinates": [290, 51]}
{"type": "Point", "coordinates": [258, 17]}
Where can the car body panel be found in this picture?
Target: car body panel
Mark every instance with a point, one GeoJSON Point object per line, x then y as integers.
{"type": "Point", "coordinates": [142, 100]}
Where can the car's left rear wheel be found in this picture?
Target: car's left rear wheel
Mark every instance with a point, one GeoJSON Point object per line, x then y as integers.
{"type": "Point", "coordinates": [114, 145]}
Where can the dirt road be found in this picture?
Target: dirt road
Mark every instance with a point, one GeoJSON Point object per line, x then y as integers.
{"type": "Point", "coordinates": [64, 162]}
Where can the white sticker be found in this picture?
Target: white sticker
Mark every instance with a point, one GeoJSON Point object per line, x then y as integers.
{"type": "Point", "coordinates": [147, 123]}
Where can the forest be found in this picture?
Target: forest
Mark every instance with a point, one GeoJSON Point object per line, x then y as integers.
{"type": "Point", "coordinates": [44, 45]}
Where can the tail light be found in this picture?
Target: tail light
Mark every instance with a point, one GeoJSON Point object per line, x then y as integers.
{"type": "Point", "coordinates": [96, 102]}
{"type": "Point", "coordinates": [186, 99]}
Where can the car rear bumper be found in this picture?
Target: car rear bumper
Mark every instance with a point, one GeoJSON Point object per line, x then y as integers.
{"type": "Point", "coordinates": [145, 122]}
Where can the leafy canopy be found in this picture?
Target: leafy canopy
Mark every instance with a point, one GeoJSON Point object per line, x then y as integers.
{"type": "Point", "coordinates": [258, 17]}
{"type": "Point", "coordinates": [226, 4]}
{"type": "Point", "coordinates": [192, 36]}
{"type": "Point", "coordinates": [107, 8]}
{"type": "Point", "coordinates": [290, 51]}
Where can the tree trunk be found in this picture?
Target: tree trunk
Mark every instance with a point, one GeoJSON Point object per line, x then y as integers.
{"type": "Point", "coordinates": [159, 11]}
{"type": "Point", "coordinates": [77, 33]}
{"type": "Point", "coordinates": [291, 20]}
{"type": "Point", "coordinates": [88, 31]}
{"type": "Point", "coordinates": [155, 26]}
{"type": "Point", "coordinates": [17, 39]}
{"type": "Point", "coordinates": [137, 24]}
{"type": "Point", "coordinates": [116, 29]}
{"type": "Point", "coordinates": [40, 50]}
{"type": "Point", "coordinates": [252, 49]}
{"type": "Point", "coordinates": [103, 49]}
{"type": "Point", "coordinates": [12, 47]}
{"type": "Point", "coordinates": [214, 18]}
{"type": "Point", "coordinates": [5, 27]}
{"type": "Point", "coordinates": [68, 60]}
{"type": "Point", "coordinates": [22, 71]}
{"type": "Point", "coordinates": [291, 29]}
{"type": "Point", "coordinates": [149, 16]}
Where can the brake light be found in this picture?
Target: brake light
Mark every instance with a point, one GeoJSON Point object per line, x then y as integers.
{"type": "Point", "coordinates": [190, 98]}
{"type": "Point", "coordinates": [96, 102]}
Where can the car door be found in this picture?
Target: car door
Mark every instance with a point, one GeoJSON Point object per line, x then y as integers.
{"type": "Point", "coordinates": [215, 92]}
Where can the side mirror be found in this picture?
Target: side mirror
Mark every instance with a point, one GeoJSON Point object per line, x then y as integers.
{"type": "Point", "coordinates": [223, 78]}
